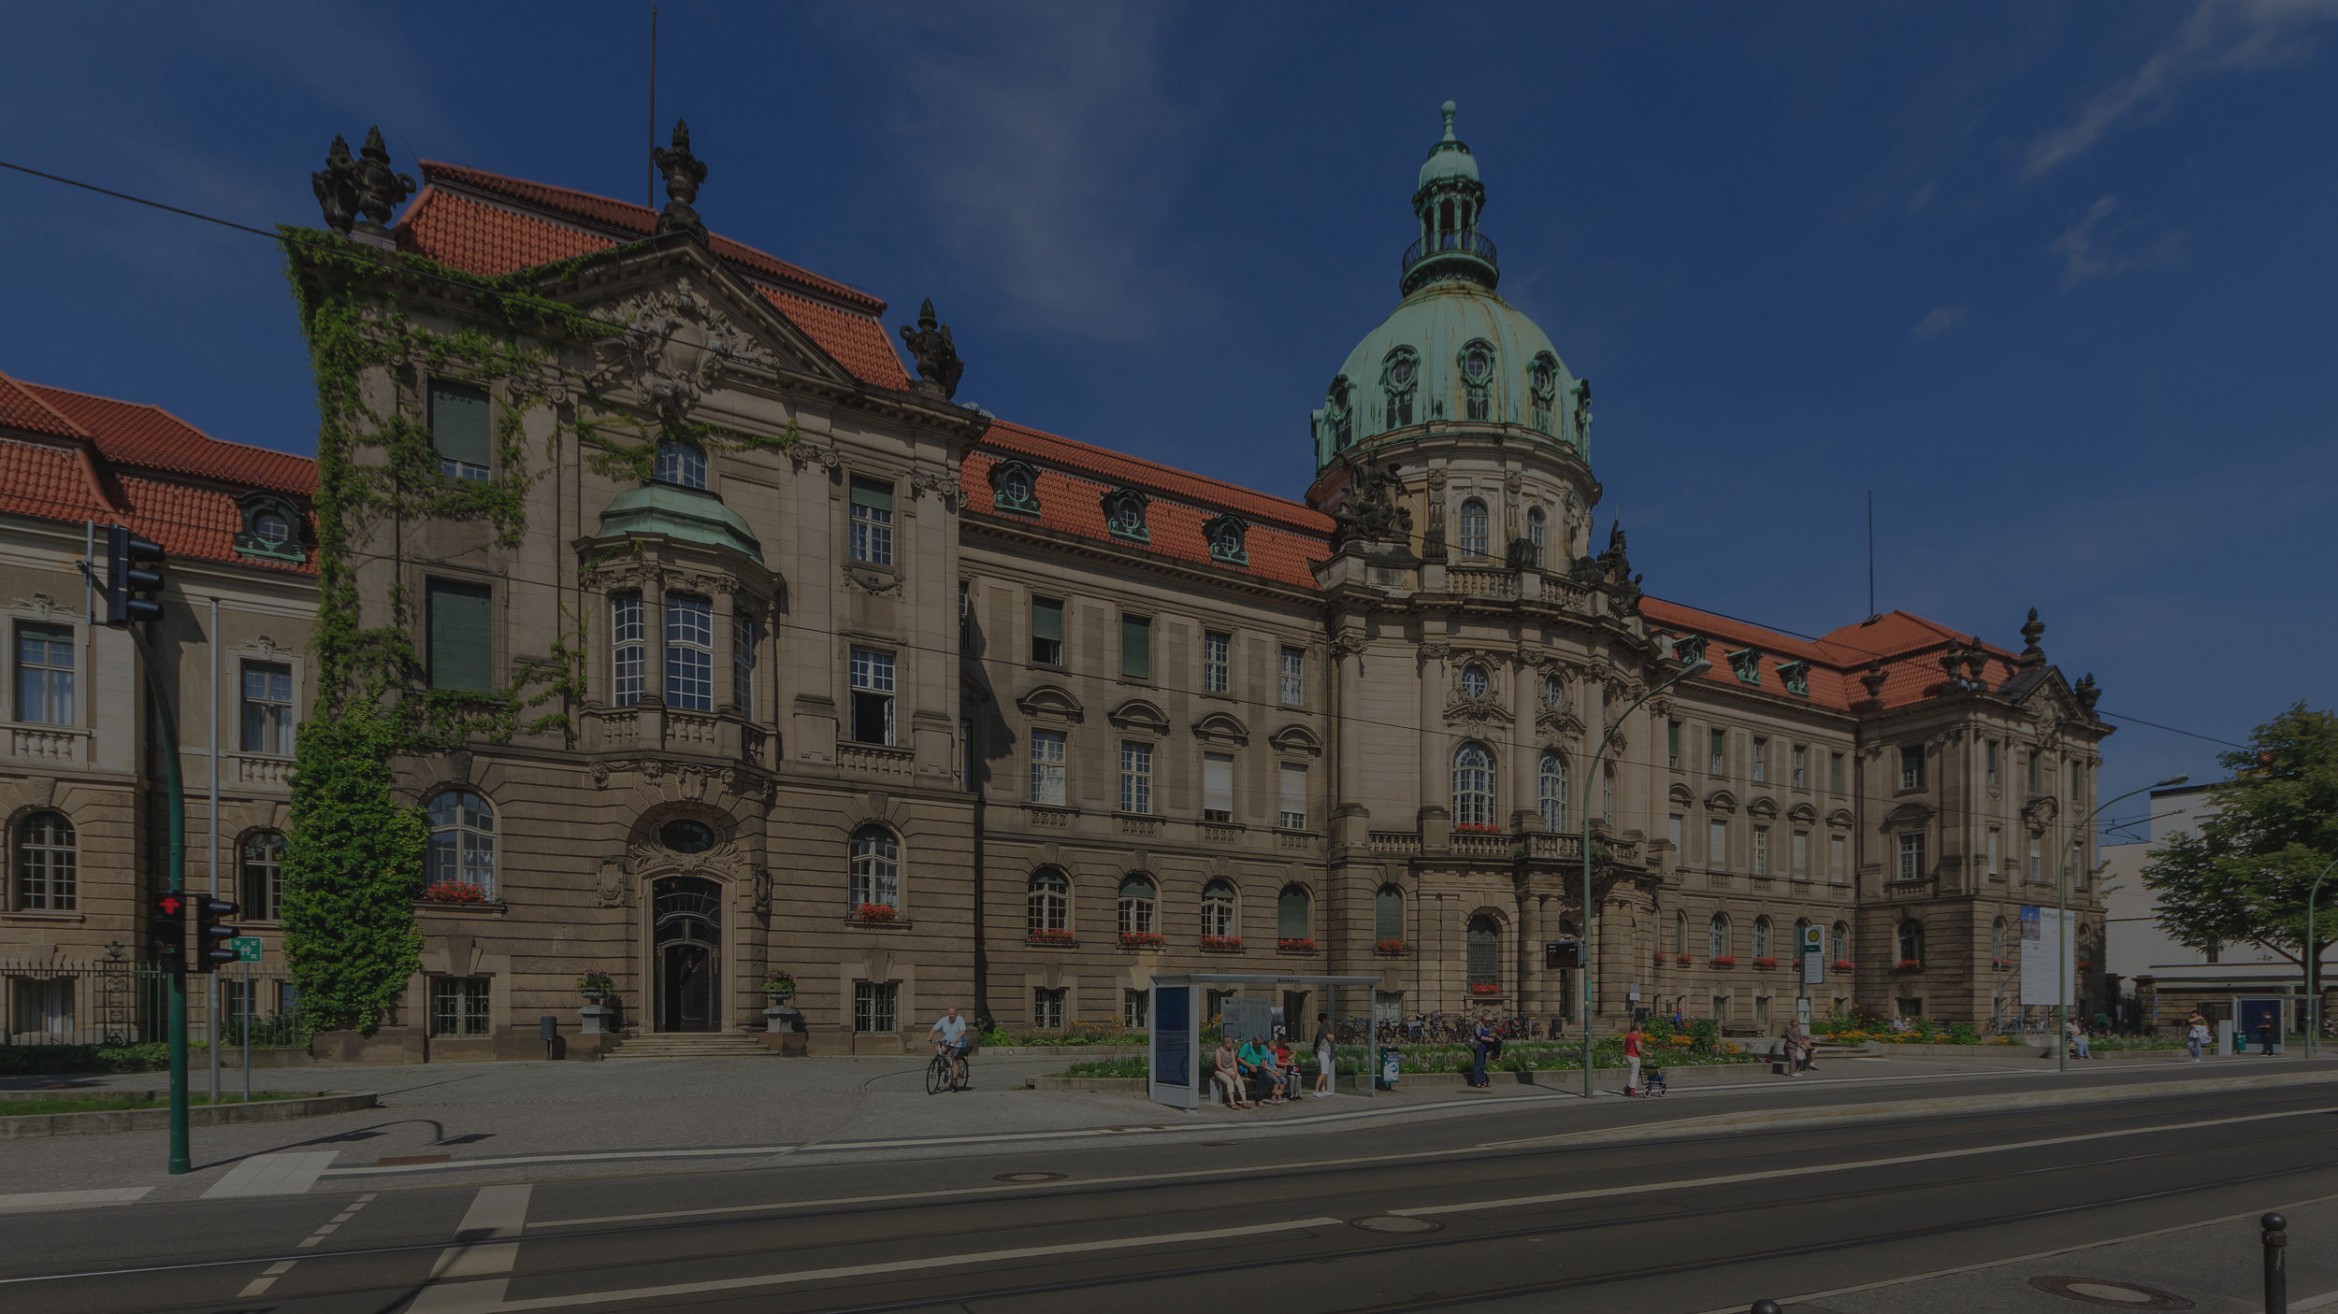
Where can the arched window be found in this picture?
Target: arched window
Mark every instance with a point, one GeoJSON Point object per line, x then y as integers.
{"type": "Point", "coordinates": [1537, 537]}
{"type": "Point", "coordinates": [1680, 933]}
{"type": "Point", "coordinates": [1049, 903]}
{"type": "Point", "coordinates": [1543, 385]}
{"type": "Point", "coordinates": [1717, 936]}
{"type": "Point", "coordinates": [1220, 912]}
{"type": "Point", "coordinates": [1294, 914]}
{"type": "Point", "coordinates": [876, 868]}
{"type": "Point", "coordinates": [1140, 902]}
{"type": "Point", "coordinates": [261, 859]}
{"type": "Point", "coordinates": [1474, 681]}
{"type": "Point", "coordinates": [1477, 372]}
{"type": "Point", "coordinates": [1607, 792]}
{"type": "Point", "coordinates": [47, 864]}
{"type": "Point", "coordinates": [1761, 937]}
{"type": "Point", "coordinates": [462, 840]}
{"type": "Point", "coordinates": [1337, 416]}
{"type": "Point", "coordinates": [1388, 914]}
{"type": "Point", "coordinates": [1473, 528]}
{"type": "Point", "coordinates": [1912, 943]}
{"type": "Point", "coordinates": [1839, 942]}
{"type": "Point", "coordinates": [680, 464]}
{"type": "Point", "coordinates": [1551, 791]}
{"type": "Point", "coordinates": [1485, 952]}
{"type": "Point", "coordinates": [1397, 374]}
{"type": "Point", "coordinates": [1473, 786]}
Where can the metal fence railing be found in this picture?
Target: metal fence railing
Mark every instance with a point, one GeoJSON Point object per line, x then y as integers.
{"type": "Point", "coordinates": [52, 1003]}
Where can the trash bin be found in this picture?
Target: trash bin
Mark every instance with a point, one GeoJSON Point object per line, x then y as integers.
{"type": "Point", "coordinates": [1388, 1067]}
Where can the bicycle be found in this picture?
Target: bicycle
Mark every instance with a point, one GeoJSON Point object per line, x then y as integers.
{"type": "Point", "coordinates": [941, 1074]}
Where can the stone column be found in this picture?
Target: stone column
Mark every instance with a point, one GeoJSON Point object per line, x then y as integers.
{"type": "Point", "coordinates": [1532, 980]}
{"type": "Point", "coordinates": [1436, 785]}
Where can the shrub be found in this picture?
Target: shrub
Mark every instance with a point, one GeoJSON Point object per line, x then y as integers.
{"type": "Point", "coordinates": [352, 869]}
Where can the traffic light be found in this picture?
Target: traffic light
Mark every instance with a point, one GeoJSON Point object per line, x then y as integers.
{"type": "Point", "coordinates": [166, 932]}
{"type": "Point", "coordinates": [211, 947]}
{"type": "Point", "coordinates": [133, 577]}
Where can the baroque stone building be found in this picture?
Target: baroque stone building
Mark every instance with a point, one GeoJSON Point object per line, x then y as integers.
{"type": "Point", "coordinates": [926, 707]}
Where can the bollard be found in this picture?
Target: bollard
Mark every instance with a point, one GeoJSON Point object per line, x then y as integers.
{"type": "Point", "coordinates": [2276, 1263]}
{"type": "Point", "coordinates": [1765, 1307]}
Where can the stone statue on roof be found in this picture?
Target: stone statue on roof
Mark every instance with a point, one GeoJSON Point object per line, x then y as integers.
{"type": "Point", "coordinates": [380, 189]}
{"type": "Point", "coordinates": [936, 353]}
{"type": "Point", "coordinates": [336, 186]}
{"type": "Point", "coordinates": [1371, 513]}
{"type": "Point", "coordinates": [684, 172]}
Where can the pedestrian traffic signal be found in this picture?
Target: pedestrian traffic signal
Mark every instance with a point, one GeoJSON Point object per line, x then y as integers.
{"type": "Point", "coordinates": [133, 577]}
{"type": "Point", "coordinates": [1557, 954]}
{"type": "Point", "coordinates": [166, 932]}
{"type": "Point", "coordinates": [211, 936]}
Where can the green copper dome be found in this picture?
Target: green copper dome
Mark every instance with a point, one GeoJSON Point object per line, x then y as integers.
{"type": "Point", "coordinates": [687, 515]}
{"type": "Point", "coordinates": [1453, 352]}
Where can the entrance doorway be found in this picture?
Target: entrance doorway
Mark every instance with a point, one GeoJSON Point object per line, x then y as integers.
{"type": "Point", "coordinates": [686, 923]}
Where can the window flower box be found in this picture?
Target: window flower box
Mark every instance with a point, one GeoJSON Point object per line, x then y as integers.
{"type": "Point", "coordinates": [2084, 964]}
{"type": "Point", "coordinates": [1295, 945]}
{"type": "Point", "coordinates": [1684, 960]}
{"type": "Point", "coordinates": [2002, 964]}
{"type": "Point", "coordinates": [874, 913]}
{"type": "Point", "coordinates": [1908, 965]}
{"type": "Point", "coordinates": [1140, 939]}
{"type": "Point", "coordinates": [1050, 935]}
{"type": "Point", "coordinates": [453, 892]}
{"type": "Point", "coordinates": [1221, 944]}
{"type": "Point", "coordinates": [1765, 963]}
{"type": "Point", "coordinates": [1845, 965]}
{"type": "Point", "coordinates": [1485, 988]}
{"type": "Point", "coordinates": [1725, 960]}
{"type": "Point", "coordinates": [1390, 946]}
{"type": "Point", "coordinates": [1476, 828]}
{"type": "Point", "coordinates": [1662, 958]}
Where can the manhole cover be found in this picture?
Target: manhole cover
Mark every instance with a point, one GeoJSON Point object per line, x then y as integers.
{"type": "Point", "coordinates": [2117, 1295]}
{"type": "Point", "coordinates": [1028, 1177]}
{"type": "Point", "coordinates": [1393, 1223]}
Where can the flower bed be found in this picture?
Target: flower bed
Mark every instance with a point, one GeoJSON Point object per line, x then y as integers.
{"type": "Point", "coordinates": [1221, 944]}
{"type": "Point", "coordinates": [453, 892]}
{"type": "Point", "coordinates": [874, 913]}
{"type": "Point", "coordinates": [1051, 935]}
{"type": "Point", "coordinates": [1297, 944]}
{"type": "Point", "coordinates": [1140, 939]}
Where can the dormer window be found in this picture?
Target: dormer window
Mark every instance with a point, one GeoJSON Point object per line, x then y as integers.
{"type": "Point", "coordinates": [1474, 682]}
{"type": "Point", "coordinates": [1796, 677]}
{"type": "Point", "coordinates": [1477, 376]}
{"type": "Point", "coordinates": [1014, 487]}
{"type": "Point", "coordinates": [272, 528]}
{"type": "Point", "coordinates": [1398, 373]}
{"type": "Point", "coordinates": [1688, 648]}
{"type": "Point", "coordinates": [1124, 514]}
{"type": "Point", "coordinates": [1226, 540]}
{"type": "Point", "coordinates": [681, 464]}
{"type": "Point", "coordinates": [1748, 664]}
{"type": "Point", "coordinates": [1338, 418]}
{"type": "Point", "coordinates": [1543, 384]}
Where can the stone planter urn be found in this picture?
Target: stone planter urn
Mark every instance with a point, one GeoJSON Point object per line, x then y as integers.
{"type": "Point", "coordinates": [593, 1018]}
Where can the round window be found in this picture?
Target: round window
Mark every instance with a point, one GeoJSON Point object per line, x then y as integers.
{"type": "Point", "coordinates": [271, 528]}
{"type": "Point", "coordinates": [1124, 514]}
{"type": "Point", "coordinates": [1016, 485]}
{"type": "Point", "coordinates": [1400, 372]}
{"type": "Point", "coordinates": [1227, 540]}
{"type": "Point", "coordinates": [1477, 364]}
{"type": "Point", "coordinates": [1473, 681]}
{"type": "Point", "coordinates": [686, 836]}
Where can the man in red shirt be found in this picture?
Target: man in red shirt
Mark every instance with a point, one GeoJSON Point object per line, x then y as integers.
{"type": "Point", "coordinates": [1632, 1060]}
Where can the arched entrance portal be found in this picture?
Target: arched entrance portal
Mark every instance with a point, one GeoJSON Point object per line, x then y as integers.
{"type": "Point", "coordinates": [686, 923]}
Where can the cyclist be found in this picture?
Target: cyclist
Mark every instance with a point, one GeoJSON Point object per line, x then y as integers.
{"type": "Point", "coordinates": [949, 1038]}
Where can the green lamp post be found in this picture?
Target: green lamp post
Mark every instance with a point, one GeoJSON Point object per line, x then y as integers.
{"type": "Point", "coordinates": [2062, 968]}
{"type": "Point", "coordinates": [1696, 666]}
{"type": "Point", "coordinates": [2314, 961]}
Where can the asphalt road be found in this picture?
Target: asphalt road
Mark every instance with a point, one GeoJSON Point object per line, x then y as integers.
{"type": "Point", "coordinates": [1488, 1211]}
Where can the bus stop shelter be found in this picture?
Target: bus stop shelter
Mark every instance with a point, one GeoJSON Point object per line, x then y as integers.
{"type": "Point", "coordinates": [1189, 1008]}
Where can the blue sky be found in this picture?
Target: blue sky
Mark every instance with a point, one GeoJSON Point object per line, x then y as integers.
{"type": "Point", "coordinates": [2053, 280]}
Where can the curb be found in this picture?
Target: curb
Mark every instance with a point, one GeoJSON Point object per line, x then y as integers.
{"type": "Point", "coordinates": [25, 1125]}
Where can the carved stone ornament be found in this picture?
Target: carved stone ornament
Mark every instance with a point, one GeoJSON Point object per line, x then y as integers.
{"type": "Point", "coordinates": [805, 452]}
{"type": "Point", "coordinates": [942, 485]}
{"type": "Point", "coordinates": [1348, 643]}
{"type": "Point", "coordinates": [2087, 692]}
{"type": "Point", "coordinates": [2032, 630]}
{"type": "Point", "coordinates": [684, 172]}
{"type": "Point", "coordinates": [1370, 512]}
{"type": "Point", "coordinates": [675, 347]}
{"type": "Point", "coordinates": [879, 582]}
{"type": "Point", "coordinates": [614, 884]}
{"type": "Point", "coordinates": [935, 351]}
{"type": "Point", "coordinates": [1874, 679]}
{"type": "Point", "coordinates": [1583, 411]}
{"type": "Point", "coordinates": [380, 189]}
{"type": "Point", "coordinates": [760, 899]}
{"type": "Point", "coordinates": [336, 186]}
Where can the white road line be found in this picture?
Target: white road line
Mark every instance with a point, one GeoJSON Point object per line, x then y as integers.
{"type": "Point", "coordinates": [259, 1286]}
{"type": "Point", "coordinates": [483, 1255]}
{"type": "Point", "coordinates": [43, 1201]}
{"type": "Point", "coordinates": [291, 1173]}
{"type": "Point", "coordinates": [594, 1156]}
{"type": "Point", "coordinates": [680, 1289]}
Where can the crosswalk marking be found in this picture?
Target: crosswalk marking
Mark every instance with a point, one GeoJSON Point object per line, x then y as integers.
{"type": "Point", "coordinates": [291, 1173]}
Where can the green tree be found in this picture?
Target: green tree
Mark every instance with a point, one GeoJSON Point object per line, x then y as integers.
{"type": "Point", "coordinates": [352, 870]}
{"type": "Point", "coordinates": [2244, 877]}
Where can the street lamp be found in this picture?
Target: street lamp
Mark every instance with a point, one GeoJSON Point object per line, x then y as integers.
{"type": "Point", "coordinates": [1696, 666]}
{"type": "Point", "coordinates": [2314, 962]}
{"type": "Point", "coordinates": [2062, 967]}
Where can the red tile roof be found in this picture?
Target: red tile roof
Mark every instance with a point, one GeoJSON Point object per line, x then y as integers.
{"type": "Point", "coordinates": [151, 438]}
{"type": "Point", "coordinates": [486, 224]}
{"type": "Point", "coordinates": [1909, 647]}
{"type": "Point", "coordinates": [21, 409]}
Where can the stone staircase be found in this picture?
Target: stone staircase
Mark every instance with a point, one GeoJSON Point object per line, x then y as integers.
{"type": "Point", "coordinates": [687, 1045]}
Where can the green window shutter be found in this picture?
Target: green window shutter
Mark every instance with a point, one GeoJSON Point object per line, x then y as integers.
{"type": "Point", "coordinates": [1388, 914]}
{"type": "Point", "coordinates": [1047, 619]}
{"type": "Point", "coordinates": [458, 423]}
{"type": "Point", "coordinates": [1291, 914]}
{"type": "Point", "coordinates": [460, 636]}
{"type": "Point", "coordinates": [872, 493]}
{"type": "Point", "coordinates": [1136, 647]}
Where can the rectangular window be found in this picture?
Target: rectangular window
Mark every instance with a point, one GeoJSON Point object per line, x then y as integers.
{"type": "Point", "coordinates": [1837, 851]}
{"type": "Point", "coordinates": [1717, 755]}
{"type": "Point", "coordinates": [872, 696]}
{"type": "Point", "coordinates": [1761, 759]}
{"type": "Point", "coordinates": [1801, 761]}
{"type": "Point", "coordinates": [1911, 766]}
{"type": "Point", "coordinates": [1801, 870]}
{"type": "Point", "coordinates": [1217, 660]}
{"type": "Point", "coordinates": [876, 1006]}
{"type": "Point", "coordinates": [458, 1005]}
{"type": "Point", "coordinates": [1136, 647]}
{"type": "Point", "coordinates": [1717, 843]}
{"type": "Point", "coordinates": [1047, 1007]}
{"type": "Point", "coordinates": [1835, 773]}
{"type": "Point", "coordinates": [746, 646]}
{"type": "Point", "coordinates": [1046, 632]}
{"type": "Point", "coordinates": [2037, 861]}
{"type": "Point", "coordinates": [1761, 850]}
{"type": "Point", "coordinates": [44, 674]}
{"type": "Point", "coordinates": [1989, 762]}
{"type": "Point", "coordinates": [458, 617]}
{"type": "Point", "coordinates": [1294, 682]}
{"type": "Point", "coordinates": [267, 708]}
{"type": "Point", "coordinates": [1136, 1010]}
{"type": "Point", "coordinates": [458, 430]}
{"type": "Point", "coordinates": [1294, 801]}
{"type": "Point", "coordinates": [2036, 772]}
{"type": "Point", "coordinates": [689, 653]}
{"type": "Point", "coordinates": [628, 642]}
{"type": "Point", "coordinates": [872, 521]}
{"type": "Point", "coordinates": [1047, 768]}
{"type": "Point", "coordinates": [1217, 786]}
{"type": "Point", "coordinates": [1673, 827]}
{"type": "Point", "coordinates": [1672, 744]}
{"type": "Point", "coordinates": [965, 618]}
{"type": "Point", "coordinates": [1912, 856]}
{"type": "Point", "coordinates": [1994, 836]}
{"type": "Point", "coordinates": [1136, 777]}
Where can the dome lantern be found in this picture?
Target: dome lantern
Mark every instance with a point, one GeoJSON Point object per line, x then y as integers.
{"type": "Point", "coordinates": [1448, 199]}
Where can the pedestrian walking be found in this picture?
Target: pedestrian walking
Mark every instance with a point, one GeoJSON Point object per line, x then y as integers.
{"type": "Point", "coordinates": [1481, 1042]}
{"type": "Point", "coordinates": [1632, 1042]}
{"type": "Point", "coordinates": [2196, 1035]}
{"type": "Point", "coordinates": [1323, 1056]}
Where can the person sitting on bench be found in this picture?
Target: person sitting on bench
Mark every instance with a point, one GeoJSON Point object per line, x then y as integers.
{"type": "Point", "coordinates": [1227, 1075]}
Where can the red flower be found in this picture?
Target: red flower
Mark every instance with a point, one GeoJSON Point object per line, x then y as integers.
{"type": "Point", "coordinates": [1845, 965]}
{"type": "Point", "coordinates": [453, 892]}
{"type": "Point", "coordinates": [1725, 960]}
{"type": "Point", "coordinates": [1053, 935]}
{"type": "Point", "coordinates": [1222, 944]}
{"type": "Point", "coordinates": [1297, 944]}
{"type": "Point", "coordinates": [1684, 959]}
{"type": "Point", "coordinates": [1765, 962]}
{"type": "Point", "coordinates": [1140, 939]}
{"type": "Point", "coordinates": [1910, 965]}
{"type": "Point", "coordinates": [1390, 946]}
{"type": "Point", "coordinates": [874, 912]}
{"type": "Point", "coordinates": [1485, 988]}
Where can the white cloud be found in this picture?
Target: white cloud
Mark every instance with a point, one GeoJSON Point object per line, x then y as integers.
{"type": "Point", "coordinates": [1939, 320]}
{"type": "Point", "coordinates": [2090, 250]}
{"type": "Point", "coordinates": [2220, 36]}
